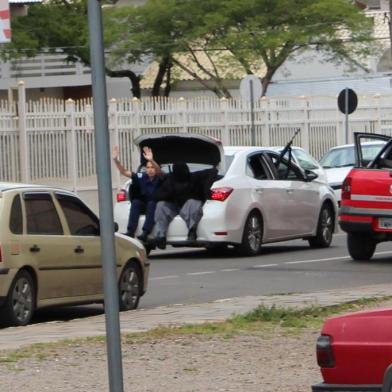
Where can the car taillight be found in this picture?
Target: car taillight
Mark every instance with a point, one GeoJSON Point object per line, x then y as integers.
{"type": "Point", "coordinates": [220, 194]}
{"type": "Point", "coordinates": [346, 188]}
{"type": "Point", "coordinates": [325, 357]}
{"type": "Point", "coordinates": [122, 196]}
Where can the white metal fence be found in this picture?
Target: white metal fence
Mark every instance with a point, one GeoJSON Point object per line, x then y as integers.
{"type": "Point", "coordinates": [52, 141]}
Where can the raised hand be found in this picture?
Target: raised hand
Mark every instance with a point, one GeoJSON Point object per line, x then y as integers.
{"type": "Point", "coordinates": [116, 153]}
{"type": "Point", "coordinates": [147, 153]}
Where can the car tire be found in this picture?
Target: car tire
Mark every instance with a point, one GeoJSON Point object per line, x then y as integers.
{"type": "Point", "coordinates": [360, 247]}
{"type": "Point", "coordinates": [130, 287]}
{"type": "Point", "coordinates": [325, 226]}
{"type": "Point", "coordinates": [19, 307]}
{"type": "Point", "coordinates": [252, 236]}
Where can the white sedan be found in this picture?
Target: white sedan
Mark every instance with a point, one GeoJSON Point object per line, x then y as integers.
{"type": "Point", "coordinates": [338, 161]}
{"type": "Point", "coordinates": [258, 197]}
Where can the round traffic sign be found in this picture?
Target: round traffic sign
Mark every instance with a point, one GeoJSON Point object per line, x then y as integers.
{"type": "Point", "coordinates": [351, 101]}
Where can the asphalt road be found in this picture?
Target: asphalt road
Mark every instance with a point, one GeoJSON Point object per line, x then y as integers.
{"type": "Point", "coordinates": [184, 276]}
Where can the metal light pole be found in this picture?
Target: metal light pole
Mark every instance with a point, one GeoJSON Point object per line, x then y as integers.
{"type": "Point", "coordinates": [108, 254]}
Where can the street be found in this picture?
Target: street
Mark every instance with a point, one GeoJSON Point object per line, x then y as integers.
{"type": "Point", "coordinates": [189, 276]}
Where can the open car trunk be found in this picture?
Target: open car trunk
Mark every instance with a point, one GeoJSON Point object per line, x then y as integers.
{"type": "Point", "coordinates": [188, 148]}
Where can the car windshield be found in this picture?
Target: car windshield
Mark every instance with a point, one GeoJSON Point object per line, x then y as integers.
{"type": "Point", "coordinates": [306, 161]}
{"type": "Point", "coordinates": [345, 156]}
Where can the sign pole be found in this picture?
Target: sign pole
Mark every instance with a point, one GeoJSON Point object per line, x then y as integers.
{"type": "Point", "coordinates": [346, 110]}
{"type": "Point", "coordinates": [252, 112]}
{"type": "Point", "coordinates": [102, 148]}
{"type": "Point", "coordinates": [251, 90]}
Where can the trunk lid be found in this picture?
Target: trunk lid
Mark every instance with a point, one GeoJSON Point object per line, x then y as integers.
{"type": "Point", "coordinates": [189, 148]}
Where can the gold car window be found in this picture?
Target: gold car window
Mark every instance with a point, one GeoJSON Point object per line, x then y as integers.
{"type": "Point", "coordinates": [81, 220]}
{"type": "Point", "coordinates": [16, 219]}
{"type": "Point", "coordinates": [41, 214]}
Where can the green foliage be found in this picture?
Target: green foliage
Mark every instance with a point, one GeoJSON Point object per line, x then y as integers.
{"type": "Point", "coordinates": [206, 39]}
{"type": "Point", "coordinates": [51, 26]}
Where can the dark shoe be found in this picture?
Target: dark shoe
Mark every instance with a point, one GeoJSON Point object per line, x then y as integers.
{"type": "Point", "coordinates": [192, 234]}
{"type": "Point", "coordinates": [143, 237]}
{"type": "Point", "coordinates": [129, 234]}
{"type": "Point", "coordinates": [161, 242]}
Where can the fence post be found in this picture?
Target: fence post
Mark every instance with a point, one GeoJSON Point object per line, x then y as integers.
{"type": "Point", "coordinates": [23, 151]}
{"type": "Point", "coordinates": [305, 134]}
{"type": "Point", "coordinates": [226, 129]}
{"type": "Point", "coordinates": [182, 108]}
{"type": "Point", "coordinates": [71, 143]}
{"type": "Point", "coordinates": [114, 137]}
{"type": "Point", "coordinates": [265, 134]}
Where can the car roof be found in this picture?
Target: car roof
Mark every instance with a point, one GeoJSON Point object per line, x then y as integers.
{"type": "Point", "coordinates": [375, 143]}
{"type": "Point", "coordinates": [6, 186]}
{"type": "Point", "coordinates": [231, 150]}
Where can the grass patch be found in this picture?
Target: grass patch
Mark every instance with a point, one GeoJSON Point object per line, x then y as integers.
{"type": "Point", "coordinates": [262, 320]}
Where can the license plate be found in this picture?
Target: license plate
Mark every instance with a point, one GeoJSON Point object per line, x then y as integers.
{"type": "Point", "coordinates": [385, 223]}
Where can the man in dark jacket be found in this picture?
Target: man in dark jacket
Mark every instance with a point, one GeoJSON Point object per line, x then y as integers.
{"type": "Point", "coordinates": [182, 193]}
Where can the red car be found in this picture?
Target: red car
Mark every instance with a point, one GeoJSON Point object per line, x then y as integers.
{"type": "Point", "coordinates": [366, 208]}
{"type": "Point", "coordinates": [354, 352]}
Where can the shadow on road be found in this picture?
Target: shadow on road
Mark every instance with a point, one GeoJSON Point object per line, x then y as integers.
{"type": "Point", "coordinates": [229, 253]}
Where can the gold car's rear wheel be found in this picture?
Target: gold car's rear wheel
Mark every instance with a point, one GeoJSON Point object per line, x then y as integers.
{"type": "Point", "coordinates": [130, 287]}
{"type": "Point", "coordinates": [20, 304]}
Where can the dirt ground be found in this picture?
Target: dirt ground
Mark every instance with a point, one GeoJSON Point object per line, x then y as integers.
{"type": "Point", "coordinates": [272, 363]}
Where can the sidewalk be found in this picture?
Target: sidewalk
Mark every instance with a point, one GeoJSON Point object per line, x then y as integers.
{"type": "Point", "coordinates": [145, 319]}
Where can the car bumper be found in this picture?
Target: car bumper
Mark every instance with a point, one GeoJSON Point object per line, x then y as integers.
{"type": "Point", "coordinates": [353, 220]}
{"type": "Point", "coordinates": [216, 226]}
{"type": "Point", "coordinates": [345, 388]}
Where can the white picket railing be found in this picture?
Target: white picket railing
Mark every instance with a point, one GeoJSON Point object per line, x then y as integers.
{"type": "Point", "coordinates": [52, 141]}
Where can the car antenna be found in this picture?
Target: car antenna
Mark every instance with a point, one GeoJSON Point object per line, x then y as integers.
{"type": "Point", "coordinates": [287, 147]}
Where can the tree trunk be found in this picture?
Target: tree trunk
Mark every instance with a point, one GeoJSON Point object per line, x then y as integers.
{"type": "Point", "coordinates": [135, 80]}
{"type": "Point", "coordinates": [168, 80]}
{"type": "Point", "coordinates": [163, 66]}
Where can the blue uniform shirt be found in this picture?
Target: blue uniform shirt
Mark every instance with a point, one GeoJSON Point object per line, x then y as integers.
{"type": "Point", "coordinates": [148, 187]}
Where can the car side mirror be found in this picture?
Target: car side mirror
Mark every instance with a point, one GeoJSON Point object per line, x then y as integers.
{"type": "Point", "coordinates": [310, 175]}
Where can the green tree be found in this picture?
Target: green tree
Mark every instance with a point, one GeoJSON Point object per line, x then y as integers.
{"type": "Point", "coordinates": [60, 25]}
{"type": "Point", "coordinates": [211, 41]}
{"type": "Point", "coordinates": [274, 31]}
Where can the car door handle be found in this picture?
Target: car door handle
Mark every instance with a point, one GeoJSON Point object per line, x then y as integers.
{"type": "Point", "coordinates": [35, 248]}
{"type": "Point", "coordinates": [259, 190]}
{"type": "Point", "coordinates": [289, 191]}
{"type": "Point", "coordinates": [78, 249]}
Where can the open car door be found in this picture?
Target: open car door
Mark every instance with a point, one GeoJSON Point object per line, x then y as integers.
{"type": "Point", "coordinates": [369, 147]}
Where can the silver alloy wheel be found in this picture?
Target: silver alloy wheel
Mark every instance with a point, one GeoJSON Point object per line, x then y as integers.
{"type": "Point", "coordinates": [254, 233]}
{"type": "Point", "coordinates": [129, 288]}
{"type": "Point", "coordinates": [326, 225]}
{"type": "Point", "coordinates": [22, 301]}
